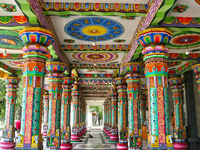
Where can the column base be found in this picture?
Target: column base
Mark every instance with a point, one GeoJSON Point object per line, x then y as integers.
{"type": "Point", "coordinates": [122, 146]}
{"type": "Point", "coordinates": [114, 138]}
{"type": "Point", "coordinates": [109, 134]}
{"type": "Point", "coordinates": [67, 146]}
{"type": "Point", "coordinates": [180, 145]}
{"type": "Point", "coordinates": [75, 138]}
{"type": "Point", "coordinates": [44, 134]}
{"type": "Point", "coordinates": [7, 146]}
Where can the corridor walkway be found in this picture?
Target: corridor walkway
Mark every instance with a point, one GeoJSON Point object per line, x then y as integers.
{"type": "Point", "coordinates": [98, 142]}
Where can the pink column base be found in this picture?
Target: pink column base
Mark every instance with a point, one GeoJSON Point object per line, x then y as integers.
{"type": "Point", "coordinates": [80, 134]}
{"type": "Point", "coordinates": [7, 146]}
{"type": "Point", "coordinates": [44, 133]}
{"type": "Point", "coordinates": [67, 146]}
{"type": "Point", "coordinates": [122, 146]}
{"type": "Point", "coordinates": [109, 134]}
{"type": "Point", "coordinates": [180, 145]}
{"type": "Point", "coordinates": [75, 138]}
{"type": "Point", "coordinates": [114, 138]}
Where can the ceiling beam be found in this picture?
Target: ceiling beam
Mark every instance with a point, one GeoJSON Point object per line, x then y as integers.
{"type": "Point", "coordinates": [145, 23]}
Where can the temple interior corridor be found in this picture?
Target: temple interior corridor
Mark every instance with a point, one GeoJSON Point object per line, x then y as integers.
{"type": "Point", "coordinates": [129, 67]}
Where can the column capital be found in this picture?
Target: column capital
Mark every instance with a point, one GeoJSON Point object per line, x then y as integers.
{"type": "Point", "coordinates": [196, 68]}
{"type": "Point", "coordinates": [12, 80]}
{"type": "Point", "coordinates": [154, 36]}
{"type": "Point", "coordinates": [132, 67]}
{"type": "Point", "coordinates": [120, 81]}
{"type": "Point", "coordinates": [55, 66]}
{"type": "Point", "coordinates": [176, 81]}
{"type": "Point", "coordinates": [68, 80]}
{"type": "Point", "coordinates": [37, 35]}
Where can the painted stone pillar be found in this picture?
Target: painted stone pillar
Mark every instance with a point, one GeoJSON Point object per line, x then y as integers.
{"type": "Point", "coordinates": [132, 70]}
{"type": "Point", "coordinates": [80, 115]}
{"type": "Point", "coordinates": [114, 110]}
{"type": "Point", "coordinates": [46, 112]}
{"type": "Point", "coordinates": [156, 70]}
{"type": "Point", "coordinates": [110, 116]}
{"type": "Point", "coordinates": [143, 106]}
{"type": "Point", "coordinates": [122, 98]}
{"type": "Point", "coordinates": [55, 77]}
{"type": "Point", "coordinates": [84, 117]}
{"type": "Point", "coordinates": [8, 135]}
{"type": "Point", "coordinates": [179, 130]}
{"type": "Point", "coordinates": [104, 117]}
{"type": "Point", "coordinates": [65, 113]}
{"type": "Point", "coordinates": [196, 69]}
{"type": "Point", "coordinates": [75, 114]}
{"type": "Point", "coordinates": [107, 117]}
{"type": "Point", "coordinates": [36, 41]}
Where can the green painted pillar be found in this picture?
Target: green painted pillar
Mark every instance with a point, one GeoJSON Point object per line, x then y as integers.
{"type": "Point", "coordinates": [55, 70]}
{"type": "Point", "coordinates": [11, 96]}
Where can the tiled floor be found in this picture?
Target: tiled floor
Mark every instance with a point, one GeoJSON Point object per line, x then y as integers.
{"type": "Point", "coordinates": [98, 142]}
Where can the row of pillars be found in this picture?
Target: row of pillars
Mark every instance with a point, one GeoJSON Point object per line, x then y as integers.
{"type": "Point", "coordinates": [132, 100]}
{"type": "Point", "coordinates": [36, 40]}
{"type": "Point", "coordinates": [57, 103]}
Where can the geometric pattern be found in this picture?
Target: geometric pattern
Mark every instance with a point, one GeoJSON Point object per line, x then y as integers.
{"type": "Point", "coordinates": [94, 29]}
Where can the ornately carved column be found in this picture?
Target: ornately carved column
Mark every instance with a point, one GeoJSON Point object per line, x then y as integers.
{"type": "Point", "coordinates": [36, 41]}
{"type": "Point", "coordinates": [65, 113]}
{"type": "Point", "coordinates": [104, 117]}
{"type": "Point", "coordinates": [75, 113]}
{"type": "Point", "coordinates": [55, 77]}
{"type": "Point", "coordinates": [143, 105]}
{"type": "Point", "coordinates": [196, 69]}
{"type": "Point", "coordinates": [114, 110]}
{"type": "Point", "coordinates": [132, 70]}
{"type": "Point", "coordinates": [80, 114]}
{"type": "Point", "coordinates": [84, 117]}
{"type": "Point", "coordinates": [122, 98]}
{"type": "Point", "coordinates": [7, 141]}
{"type": "Point", "coordinates": [155, 56]}
{"type": "Point", "coordinates": [109, 117]}
{"type": "Point", "coordinates": [179, 131]}
{"type": "Point", "coordinates": [46, 112]}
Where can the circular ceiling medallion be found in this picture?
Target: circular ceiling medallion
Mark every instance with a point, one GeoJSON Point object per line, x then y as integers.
{"type": "Point", "coordinates": [95, 57]}
{"type": "Point", "coordinates": [94, 29]}
{"type": "Point", "coordinates": [187, 39]}
{"type": "Point", "coordinates": [197, 1]}
{"type": "Point", "coordinates": [10, 40]}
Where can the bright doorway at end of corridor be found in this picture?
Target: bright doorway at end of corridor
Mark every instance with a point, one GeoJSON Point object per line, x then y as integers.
{"type": "Point", "coordinates": [95, 118]}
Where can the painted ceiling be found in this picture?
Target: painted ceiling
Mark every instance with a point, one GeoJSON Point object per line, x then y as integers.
{"type": "Point", "coordinates": [102, 1]}
{"type": "Point", "coordinates": [77, 30]}
{"type": "Point", "coordinates": [96, 37]}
